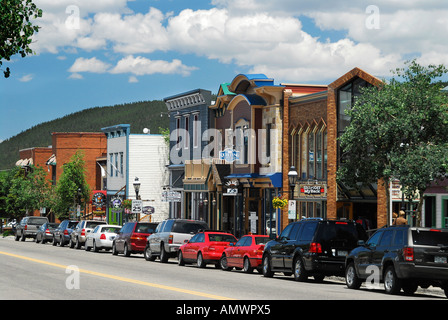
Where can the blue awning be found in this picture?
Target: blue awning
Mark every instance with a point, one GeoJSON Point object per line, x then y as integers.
{"type": "Point", "coordinates": [276, 178]}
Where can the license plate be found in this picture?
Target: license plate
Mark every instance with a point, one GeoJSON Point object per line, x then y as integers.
{"type": "Point", "coordinates": [342, 253]}
{"type": "Point", "coordinates": [438, 259]}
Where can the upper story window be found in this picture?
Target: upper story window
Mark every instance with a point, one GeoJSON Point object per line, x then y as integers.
{"type": "Point", "coordinates": [196, 130]}
{"type": "Point", "coordinates": [311, 154]}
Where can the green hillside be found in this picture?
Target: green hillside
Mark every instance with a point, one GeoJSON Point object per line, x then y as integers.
{"type": "Point", "coordinates": [140, 115]}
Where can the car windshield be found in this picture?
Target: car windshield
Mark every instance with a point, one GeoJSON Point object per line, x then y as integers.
{"type": "Point", "coordinates": [341, 233]}
{"type": "Point", "coordinates": [111, 229]}
{"type": "Point", "coordinates": [93, 224]}
{"type": "Point", "coordinates": [430, 238]}
{"type": "Point", "coordinates": [189, 226]}
{"type": "Point", "coordinates": [145, 228]}
{"type": "Point", "coordinates": [72, 224]}
{"type": "Point", "coordinates": [37, 221]}
{"type": "Point", "coordinates": [261, 240]}
{"type": "Point", "coordinates": [221, 237]}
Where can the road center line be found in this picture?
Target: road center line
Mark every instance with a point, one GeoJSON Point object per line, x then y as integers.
{"type": "Point", "coordinates": [108, 276]}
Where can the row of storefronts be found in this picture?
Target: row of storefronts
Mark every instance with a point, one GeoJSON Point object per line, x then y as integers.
{"type": "Point", "coordinates": [231, 157]}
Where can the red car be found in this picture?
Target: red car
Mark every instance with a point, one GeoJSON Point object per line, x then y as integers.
{"type": "Point", "coordinates": [245, 254]}
{"type": "Point", "coordinates": [204, 248]}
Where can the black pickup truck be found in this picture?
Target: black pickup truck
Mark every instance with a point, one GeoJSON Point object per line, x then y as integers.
{"type": "Point", "coordinates": [403, 257]}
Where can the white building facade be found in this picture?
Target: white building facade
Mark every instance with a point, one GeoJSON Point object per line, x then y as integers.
{"type": "Point", "coordinates": [142, 156]}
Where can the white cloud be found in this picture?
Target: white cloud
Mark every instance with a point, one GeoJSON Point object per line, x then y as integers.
{"type": "Point", "coordinates": [26, 78]}
{"type": "Point", "coordinates": [260, 35]}
{"type": "Point", "coordinates": [89, 65]}
{"type": "Point", "coordinates": [137, 66]}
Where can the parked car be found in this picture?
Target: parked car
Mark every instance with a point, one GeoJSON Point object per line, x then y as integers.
{"type": "Point", "coordinates": [312, 247]}
{"type": "Point", "coordinates": [102, 237]}
{"type": "Point", "coordinates": [61, 235]}
{"type": "Point", "coordinates": [404, 257]}
{"type": "Point", "coordinates": [205, 247]}
{"type": "Point", "coordinates": [246, 254]}
{"type": "Point", "coordinates": [169, 236]}
{"type": "Point", "coordinates": [132, 238]}
{"type": "Point", "coordinates": [28, 226]}
{"type": "Point", "coordinates": [45, 232]}
{"type": "Point", "coordinates": [80, 232]}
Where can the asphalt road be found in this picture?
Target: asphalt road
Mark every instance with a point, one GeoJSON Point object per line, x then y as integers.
{"type": "Point", "coordinates": [31, 271]}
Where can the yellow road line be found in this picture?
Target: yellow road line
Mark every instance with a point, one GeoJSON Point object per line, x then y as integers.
{"type": "Point", "coordinates": [103, 275]}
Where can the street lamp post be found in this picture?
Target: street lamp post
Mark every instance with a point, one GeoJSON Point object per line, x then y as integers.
{"type": "Point", "coordinates": [292, 177]}
{"type": "Point", "coordinates": [136, 188]}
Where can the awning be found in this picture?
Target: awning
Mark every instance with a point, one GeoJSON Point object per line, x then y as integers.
{"type": "Point", "coordinates": [24, 162]}
{"type": "Point", "coordinates": [275, 178]}
{"type": "Point", "coordinates": [51, 161]}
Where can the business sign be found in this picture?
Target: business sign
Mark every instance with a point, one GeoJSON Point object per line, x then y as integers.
{"type": "Point", "coordinates": [229, 155]}
{"type": "Point", "coordinates": [313, 190]}
{"type": "Point", "coordinates": [171, 196]}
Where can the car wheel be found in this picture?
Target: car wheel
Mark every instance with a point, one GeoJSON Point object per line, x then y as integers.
{"type": "Point", "coordinates": [180, 259]}
{"type": "Point", "coordinates": [17, 237]}
{"type": "Point", "coordinates": [71, 244]}
{"type": "Point", "coordinates": [163, 254]}
{"type": "Point", "coordinates": [409, 287]}
{"type": "Point", "coordinates": [148, 254]}
{"type": "Point", "coordinates": [126, 251]}
{"type": "Point", "coordinates": [200, 261]}
{"type": "Point", "coordinates": [267, 272]}
{"type": "Point", "coordinates": [351, 278]}
{"type": "Point", "coordinates": [114, 249]}
{"type": "Point", "coordinates": [61, 242]}
{"type": "Point", "coordinates": [22, 238]}
{"type": "Point", "coordinates": [299, 270]}
{"type": "Point", "coordinates": [86, 247]}
{"type": "Point", "coordinates": [54, 241]}
{"type": "Point", "coordinates": [247, 268]}
{"type": "Point", "coordinates": [223, 263]}
{"type": "Point", "coordinates": [95, 248]}
{"type": "Point", "coordinates": [392, 284]}
{"type": "Point", "coordinates": [77, 244]}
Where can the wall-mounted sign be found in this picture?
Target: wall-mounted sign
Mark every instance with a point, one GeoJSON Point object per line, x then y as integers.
{"type": "Point", "coordinates": [313, 190]}
{"type": "Point", "coordinates": [229, 155]}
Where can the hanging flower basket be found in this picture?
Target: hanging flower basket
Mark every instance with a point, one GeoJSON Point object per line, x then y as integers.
{"type": "Point", "coordinates": [279, 202]}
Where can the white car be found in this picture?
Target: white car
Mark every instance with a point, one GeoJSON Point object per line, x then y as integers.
{"type": "Point", "coordinates": [101, 237]}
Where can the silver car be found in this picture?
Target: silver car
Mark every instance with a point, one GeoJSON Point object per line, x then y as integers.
{"type": "Point", "coordinates": [101, 237]}
{"type": "Point", "coordinates": [79, 234]}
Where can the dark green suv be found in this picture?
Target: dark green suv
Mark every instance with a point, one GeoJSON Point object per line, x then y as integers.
{"type": "Point", "coordinates": [312, 247]}
{"type": "Point", "coordinates": [402, 257]}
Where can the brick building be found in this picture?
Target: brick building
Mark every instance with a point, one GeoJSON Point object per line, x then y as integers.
{"type": "Point", "coordinates": [314, 123]}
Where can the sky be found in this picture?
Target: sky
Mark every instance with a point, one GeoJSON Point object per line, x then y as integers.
{"type": "Point", "coordinates": [107, 52]}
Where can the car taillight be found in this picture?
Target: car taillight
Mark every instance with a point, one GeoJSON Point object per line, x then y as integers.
{"type": "Point", "coordinates": [315, 247]}
{"type": "Point", "coordinates": [26, 227]}
{"type": "Point", "coordinates": [170, 239]}
{"type": "Point", "coordinates": [103, 236]}
{"type": "Point", "coordinates": [83, 232]}
{"type": "Point", "coordinates": [66, 232]}
{"type": "Point", "coordinates": [259, 250]}
{"type": "Point", "coordinates": [47, 231]}
{"type": "Point", "coordinates": [408, 254]}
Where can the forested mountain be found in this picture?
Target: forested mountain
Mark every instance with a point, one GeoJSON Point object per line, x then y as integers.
{"type": "Point", "coordinates": [140, 115]}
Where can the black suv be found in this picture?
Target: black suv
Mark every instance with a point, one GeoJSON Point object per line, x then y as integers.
{"type": "Point", "coordinates": [312, 247]}
{"type": "Point", "coordinates": [403, 257]}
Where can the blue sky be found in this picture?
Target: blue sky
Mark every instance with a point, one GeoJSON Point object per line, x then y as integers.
{"type": "Point", "coordinates": [106, 52]}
